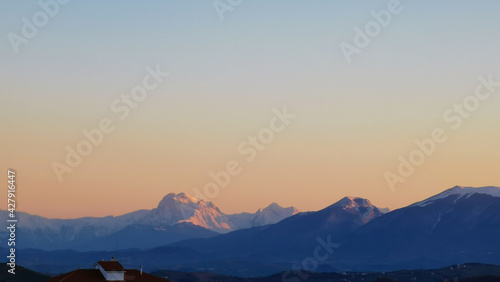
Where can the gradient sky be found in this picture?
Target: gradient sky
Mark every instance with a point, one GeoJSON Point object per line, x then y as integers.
{"type": "Point", "coordinates": [226, 76]}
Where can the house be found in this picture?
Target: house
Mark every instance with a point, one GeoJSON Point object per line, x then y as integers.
{"type": "Point", "coordinates": [106, 271]}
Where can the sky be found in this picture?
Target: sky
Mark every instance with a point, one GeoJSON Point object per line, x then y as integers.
{"type": "Point", "coordinates": [412, 72]}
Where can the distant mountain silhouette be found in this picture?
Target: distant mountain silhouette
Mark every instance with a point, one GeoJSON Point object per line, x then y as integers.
{"type": "Point", "coordinates": [458, 225]}
{"type": "Point", "coordinates": [177, 217]}
{"type": "Point", "coordinates": [293, 237]}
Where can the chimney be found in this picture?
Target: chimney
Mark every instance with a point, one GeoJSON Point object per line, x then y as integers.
{"type": "Point", "coordinates": [141, 269]}
{"type": "Point", "coordinates": [112, 258]}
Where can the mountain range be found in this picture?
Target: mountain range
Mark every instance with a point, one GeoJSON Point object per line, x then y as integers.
{"type": "Point", "coordinates": [177, 217]}
{"type": "Point", "coordinates": [459, 225]}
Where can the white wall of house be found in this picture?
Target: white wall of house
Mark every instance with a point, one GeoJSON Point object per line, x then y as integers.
{"type": "Point", "coordinates": [112, 275]}
{"type": "Point", "coordinates": [115, 275]}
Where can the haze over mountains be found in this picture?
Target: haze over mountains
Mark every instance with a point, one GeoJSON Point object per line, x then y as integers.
{"type": "Point", "coordinates": [459, 225]}
{"type": "Point", "coordinates": [177, 217]}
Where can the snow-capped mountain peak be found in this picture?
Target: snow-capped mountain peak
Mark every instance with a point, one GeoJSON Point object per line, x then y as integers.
{"type": "Point", "coordinates": [176, 208]}
{"type": "Point", "coordinates": [358, 205]}
{"type": "Point", "coordinates": [276, 209]}
{"type": "Point", "coordinates": [352, 202]}
{"type": "Point", "coordinates": [272, 214]}
{"type": "Point", "coordinates": [181, 197]}
{"type": "Point", "coordinates": [461, 191]}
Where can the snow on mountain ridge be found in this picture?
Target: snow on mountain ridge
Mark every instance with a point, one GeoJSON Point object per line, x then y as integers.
{"type": "Point", "coordinates": [171, 210]}
{"type": "Point", "coordinates": [461, 191]}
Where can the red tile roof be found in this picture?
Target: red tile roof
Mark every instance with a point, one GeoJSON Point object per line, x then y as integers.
{"type": "Point", "coordinates": [95, 275]}
{"type": "Point", "coordinates": [79, 275]}
{"type": "Point", "coordinates": [111, 265]}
